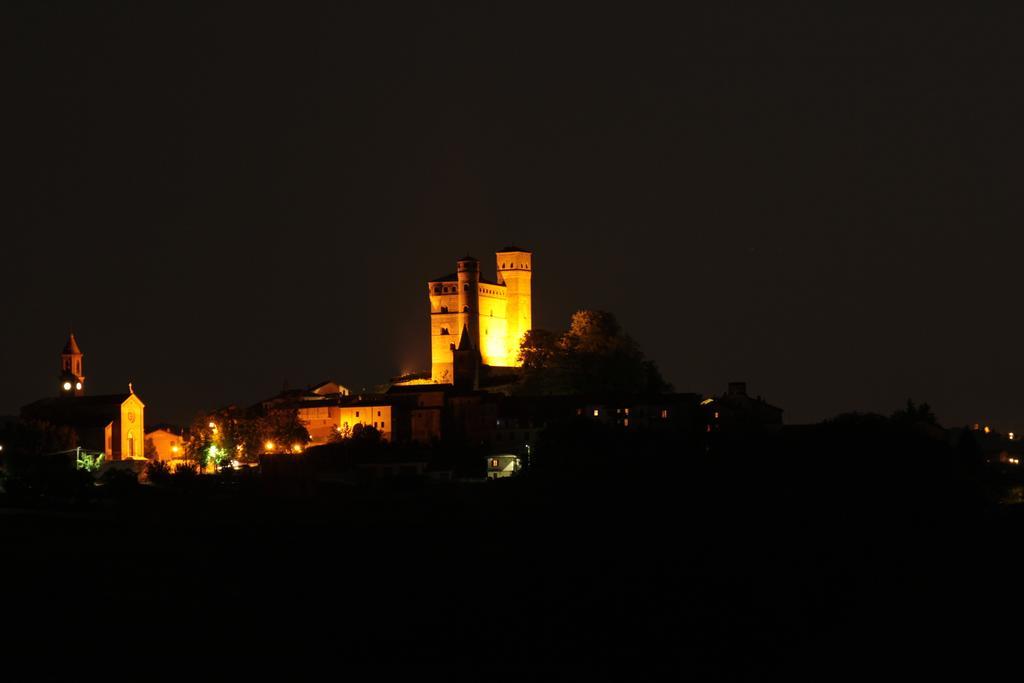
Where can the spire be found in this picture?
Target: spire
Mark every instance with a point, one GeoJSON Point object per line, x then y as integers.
{"type": "Point", "coordinates": [71, 347]}
{"type": "Point", "coordinates": [465, 344]}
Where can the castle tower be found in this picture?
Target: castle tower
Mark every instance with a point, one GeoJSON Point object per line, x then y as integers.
{"type": "Point", "coordinates": [72, 380]}
{"type": "Point", "coordinates": [515, 272]}
{"type": "Point", "coordinates": [495, 314]}
{"type": "Point", "coordinates": [469, 298]}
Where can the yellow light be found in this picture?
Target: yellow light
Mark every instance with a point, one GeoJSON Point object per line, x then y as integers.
{"type": "Point", "coordinates": [297, 448]}
{"type": "Point", "coordinates": [987, 430]}
{"type": "Point", "coordinates": [269, 445]}
{"type": "Point", "coordinates": [1011, 436]}
{"type": "Point", "coordinates": [213, 426]}
{"type": "Point", "coordinates": [174, 449]}
{"type": "Point", "coordinates": [707, 401]}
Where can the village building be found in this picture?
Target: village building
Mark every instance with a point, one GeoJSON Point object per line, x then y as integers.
{"type": "Point", "coordinates": [113, 424]}
{"type": "Point", "coordinates": [166, 441]}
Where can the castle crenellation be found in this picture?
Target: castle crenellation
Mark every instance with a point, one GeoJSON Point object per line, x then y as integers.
{"type": "Point", "coordinates": [494, 314]}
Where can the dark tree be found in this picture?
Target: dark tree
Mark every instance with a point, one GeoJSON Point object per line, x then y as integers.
{"type": "Point", "coordinates": [914, 414]}
{"type": "Point", "coordinates": [594, 356]}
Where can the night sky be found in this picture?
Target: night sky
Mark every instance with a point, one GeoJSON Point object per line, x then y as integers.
{"type": "Point", "coordinates": [226, 197]}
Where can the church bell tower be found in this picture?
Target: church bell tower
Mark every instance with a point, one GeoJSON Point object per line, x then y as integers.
{"type": "Point", "coordinates": [72, 381]}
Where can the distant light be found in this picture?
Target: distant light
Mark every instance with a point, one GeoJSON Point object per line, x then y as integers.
{"type": "Point", "coordinates": [297, 448]}
{"type": "Point", "coordinates": [213, 426]}
{"type": "Point", "coordinates": [1, 448]}
{"type": "Point", "coordinates": [269, 445]}
{"type": "Point", "coordinates": [596, 412]}
{"type": "Point", "coordinates": [174, 449]}
{"type": "Point", "coordinates": [987, 430]}
{"type": "Point", "coordinates": [78, 386]}
{"type": "Point", "coordinates": [707, 401]}
{"type": "Point", "coordinates": [1011, 436]}
{"type": "Point", "coordinates": [67, 386]}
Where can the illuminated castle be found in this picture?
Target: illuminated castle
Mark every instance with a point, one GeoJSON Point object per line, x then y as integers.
{"type": "Point", "coordinates": [469, 311]}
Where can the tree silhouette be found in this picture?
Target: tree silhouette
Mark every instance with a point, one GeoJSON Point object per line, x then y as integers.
{"type": "Point", "coordinates": [594, 356]}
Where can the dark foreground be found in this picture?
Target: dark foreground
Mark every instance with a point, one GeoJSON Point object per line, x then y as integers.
{"type": "Point", "coordinates": [740, 571]}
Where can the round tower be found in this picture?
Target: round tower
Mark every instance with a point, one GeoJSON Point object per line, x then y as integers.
{"type": "Point", "coordinates": [515, 271]}
{"type": "Point", "coordinates": [469, 298]}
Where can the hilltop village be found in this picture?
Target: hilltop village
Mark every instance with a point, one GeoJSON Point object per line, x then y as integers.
{"type": "Point", "coordinates": [477, 396]}
{"type": "Point", "coordinates": [472, 395]}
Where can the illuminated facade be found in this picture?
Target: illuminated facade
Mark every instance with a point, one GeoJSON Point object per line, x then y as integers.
{"type": "Point", "coordinates": [167, 442]}
{"type": "Point", "coordinates": [113, 424]}
{"type": "Point", "coordinates": [324, 419]}
{"type": "Point", "coordinates": [494, 314]}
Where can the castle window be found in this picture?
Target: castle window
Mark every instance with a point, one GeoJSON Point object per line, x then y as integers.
{"type": "Point", "coordinates": [465, 288]}
{"type": "Point", "coordinates": [465, 309]}
{"type": "Point", "coordinates": [444, 330]}
{"type": "Point", "coordinates": [437, 289]}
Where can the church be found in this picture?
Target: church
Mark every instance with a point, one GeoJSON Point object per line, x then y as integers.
{"type": "Point", "coordinates": [112, 424]}
{"type": "Point", "coordinates": [471, 312]}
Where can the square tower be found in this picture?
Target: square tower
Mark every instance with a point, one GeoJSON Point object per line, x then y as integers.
{"type": "Point", "coordinates": [515, 272]}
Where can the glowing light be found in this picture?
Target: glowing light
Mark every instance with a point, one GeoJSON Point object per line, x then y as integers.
{"type": "Point", "coordinates": [174, 449]}
{"type": "Point", "coordinates": [67, 386]}
{"type": "Point", "coordinates": [216, 455]}
{"type": "Point", "coordinates": [269, 445]}
{"type": "Point", "coordinates": [78, 386]}
{"type": "Point", "coordinates": [707, 401]}
{"type": "Point", "coordinates": [297, 448]}
{"type": "Point", "coordinates": [987, 430]}
{"type": "Point", "coordinates": [1011, 436]}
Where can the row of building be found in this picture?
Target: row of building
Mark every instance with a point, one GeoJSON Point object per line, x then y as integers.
{"type": "Point", "coordinates": [466, 397]}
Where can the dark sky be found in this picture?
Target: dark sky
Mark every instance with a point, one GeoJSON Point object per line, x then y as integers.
{"type": "Point", "coordinates": [824, 203]}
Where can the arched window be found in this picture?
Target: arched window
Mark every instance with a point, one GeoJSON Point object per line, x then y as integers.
{"type": "Point", "coordinates": [444, 330]}
{"type": "Point", "coordinates": [131, 445]}
{"type": "Point", "coordinates": [465, 309]}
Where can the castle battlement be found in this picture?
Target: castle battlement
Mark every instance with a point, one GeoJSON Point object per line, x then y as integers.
{"type": "Point", "coordinates": [495, 314]}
